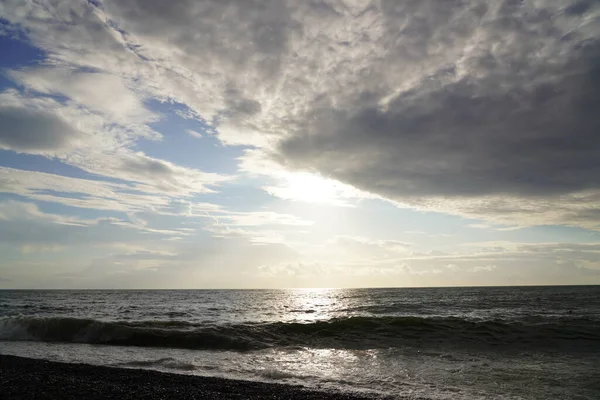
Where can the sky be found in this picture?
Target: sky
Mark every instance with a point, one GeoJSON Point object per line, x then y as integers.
{"type": "Point", "coordinates": [274, 143]}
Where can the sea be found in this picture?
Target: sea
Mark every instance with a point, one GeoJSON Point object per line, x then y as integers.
{"type": "Point", "coordinates": [425, 343]}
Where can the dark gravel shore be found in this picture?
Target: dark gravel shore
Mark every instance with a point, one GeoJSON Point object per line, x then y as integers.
{"type": "Point", "coordinates": [24, 378]}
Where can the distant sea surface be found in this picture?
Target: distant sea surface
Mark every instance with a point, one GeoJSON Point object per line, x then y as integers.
{"type": "Point", "coordinates": [438, 343]}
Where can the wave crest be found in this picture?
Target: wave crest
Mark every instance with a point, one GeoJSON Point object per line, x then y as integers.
{"type": "Point", "coordinates": [167, 363]}
{"type": "Point", "coordinates": [351, 333]}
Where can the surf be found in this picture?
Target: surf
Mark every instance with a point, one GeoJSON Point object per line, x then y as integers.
{"type": "Point", "coordinates": [340, 333]}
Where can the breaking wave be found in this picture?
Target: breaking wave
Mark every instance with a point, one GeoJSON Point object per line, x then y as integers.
{"type": "Point", "coordinates": [167, 363]}
{"type": "Point", "coordinates": [343, 333]}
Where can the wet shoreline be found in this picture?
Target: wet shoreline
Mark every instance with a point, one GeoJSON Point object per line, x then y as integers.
{"type": "Point", "coordinates": [25, 378]}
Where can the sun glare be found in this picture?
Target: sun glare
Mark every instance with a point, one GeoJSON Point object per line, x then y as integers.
{"type": "Point", "coordinates": [316, 303]}
{"type": "Point", "coordinates": [311, 188]}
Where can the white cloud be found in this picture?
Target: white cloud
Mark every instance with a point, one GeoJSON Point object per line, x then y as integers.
{"type": "Point", "coordinates": [97, 91]}
{"type": "Point", "coordinates": [81, 193]}
{"type": "Point", "coordinates": [258, 227]}
{"type": "Point", "coordinates": [93, 143]}
{"type": "Point", "coordinates": [486, 268]}
{"type": "Point", "coordinates": [259, 218]}
{"type": "Point", "coordinates": [361, 247]}
{"type": "Point", "coordinates": [218, 263]}
{"type": "Point", "coordinates": [193, 133]}
{"type": "Point", "coordinates": [383, 263]}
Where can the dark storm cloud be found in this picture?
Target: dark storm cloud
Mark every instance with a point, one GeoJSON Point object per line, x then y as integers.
{"type": "Point", "coordinates": [518, 115]}
{"type": "Point", "coordinates": [461, 140]}
{"type": "Point", "coordinates": [31, 131]}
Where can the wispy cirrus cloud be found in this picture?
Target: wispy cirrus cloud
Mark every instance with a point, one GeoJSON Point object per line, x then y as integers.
{"type": "Point", "coordinates": [85, 193]}
{"type": "Point", "coordinates": [26, 227]}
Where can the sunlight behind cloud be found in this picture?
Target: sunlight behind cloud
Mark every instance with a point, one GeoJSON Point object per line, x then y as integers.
{"type": "Point", "coordinates": [312, 188]}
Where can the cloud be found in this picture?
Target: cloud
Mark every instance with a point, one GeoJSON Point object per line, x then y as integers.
{"type": "Point", "coordinates": [215, 263]}
{"type": "Point", "coordinates": [256, 236]}
{"type": "Point", "coordinates": [97, 91]}
{"type": "Point", "coordinates": [497, 103]}
{"type": "Point", "coordinates": [383, 263]}
{"type": "Point", "coordinates": [414, 100]}
{"type": "Point", "coordinates": [141, 204]}
{"type": "Point", "coordinates": [26, 227]}
{"type": "Point", "coordinates": [484, 110]}
{"type": "Point", "coordinates": [573, 209]}
{"type": "Point", "coordinates": [31, 131]}
{"type": "Point", "coordinates": [503, 254]}
{"type": "Point", "coordinates": [95, 131]}
{"type": "Point", "coordinates": [305, 270]}
{"type": "Point", "coordinates": [81, 193]}
{"type": "Point", "coordinates": [258, 218]}
{"type": "Point", "coordinates": [94, 143]}
{"type": "Point", "coordinates": [465, 138]}
{"type": "Point", "coordinates": [479, 226]}
{"type": "Point", "coordinates": [158, 175]}
{"type": "Point", "coordinates": [488, 268]}
{"type": "Point", "coordinates": [258, 227]}
{"type": "Point", "coordinates": [193, 133]}
{"type": "Point", "coordinates": [299, 185]}
{"type": "Point", "coordinates": [360, 248]}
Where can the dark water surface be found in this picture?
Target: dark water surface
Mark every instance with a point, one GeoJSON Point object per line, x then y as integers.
{"type": "Point", "coordinates": [509, 342]}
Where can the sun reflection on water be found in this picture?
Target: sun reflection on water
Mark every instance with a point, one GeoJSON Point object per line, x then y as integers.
{"type": "Point", "coordinates": [313, 304]}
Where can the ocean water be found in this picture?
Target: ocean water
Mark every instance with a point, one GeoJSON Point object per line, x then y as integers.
{"type": "Point", "coordinates": [436, 343]}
